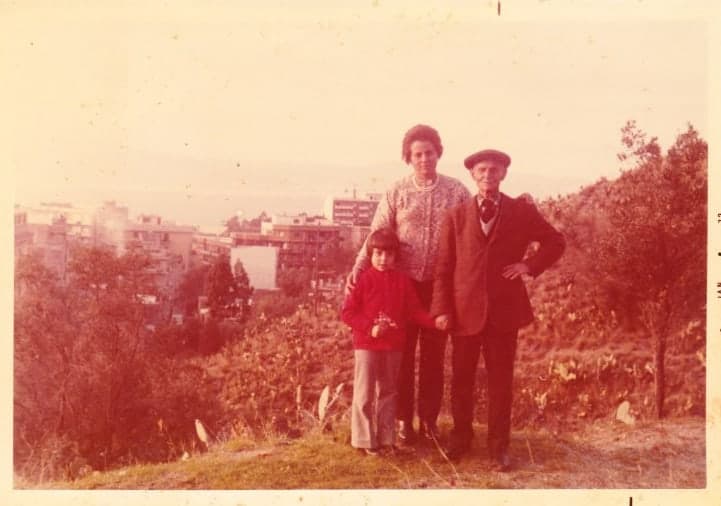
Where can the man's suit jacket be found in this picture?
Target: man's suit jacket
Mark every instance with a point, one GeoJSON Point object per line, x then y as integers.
{"type": "Point", "coordinates": [468, 283]}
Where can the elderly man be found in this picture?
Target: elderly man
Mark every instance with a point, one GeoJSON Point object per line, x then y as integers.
{"type": "Point", "coordinates": [480, 296]}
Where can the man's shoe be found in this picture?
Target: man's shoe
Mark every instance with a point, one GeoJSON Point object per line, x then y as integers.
{"type": "Point", "coordinates": [456, 450]}
{"type": "Point", "coordinates": [405, 432]}
{"type": "Point", "coordinates": [429, 430]}
{"type": "Point", "coordinates": [502, 462]}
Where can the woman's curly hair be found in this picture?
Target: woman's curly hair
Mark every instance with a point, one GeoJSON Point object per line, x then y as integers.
{"type": "Point", "coordinates": [420, 133]}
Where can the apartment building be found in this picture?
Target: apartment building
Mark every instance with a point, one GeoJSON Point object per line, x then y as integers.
{"type": "Point", "coordinates": [53, 228]}
{"type": "Point", "coordinates": [23, 234]}
{"type": "Point", "coordinates": [168, 245]}
{"type": "Point", "coordinates": [302, 238]}
{"type": "Point", "coordinates": [207, 247]}
{"type": "Point", "coordinates": [283, 242]}
{"type": "Point", "coordinates": [352, 211]}
{"type": "Point", "coordinates": [47, 236]}
{"type": "Point", "coordinates": [47, 212]}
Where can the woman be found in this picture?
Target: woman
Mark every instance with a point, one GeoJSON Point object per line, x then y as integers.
{"type": "Point", "coordinates": [414, 207]}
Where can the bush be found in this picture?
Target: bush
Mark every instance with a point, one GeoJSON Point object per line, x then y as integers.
{"type": "Point", "coordinates": [274, 305]}
{"type": "Point", "coordinates": [272, 378]}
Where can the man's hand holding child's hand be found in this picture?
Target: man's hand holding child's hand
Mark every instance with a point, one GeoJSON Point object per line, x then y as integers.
{"type": "Point", "coordinates": [442, 322]}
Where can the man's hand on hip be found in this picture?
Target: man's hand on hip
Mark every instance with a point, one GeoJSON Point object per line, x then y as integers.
{"type": "Point", "coordinates": [515, 270]}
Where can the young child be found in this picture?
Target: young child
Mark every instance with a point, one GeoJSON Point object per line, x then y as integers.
{"type": "Point", "coordinates": [377, 311]}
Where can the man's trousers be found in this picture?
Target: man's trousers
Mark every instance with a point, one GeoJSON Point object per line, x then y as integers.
{"type": "Point", "coordinates": [499, 351]}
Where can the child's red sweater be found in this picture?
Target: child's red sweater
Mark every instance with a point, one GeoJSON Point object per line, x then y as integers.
{"type": "Point", "coordinates": [390, 292]}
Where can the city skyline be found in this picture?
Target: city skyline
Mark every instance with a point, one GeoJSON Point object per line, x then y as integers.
{"type": "Point", "coordinates": [198, 113]}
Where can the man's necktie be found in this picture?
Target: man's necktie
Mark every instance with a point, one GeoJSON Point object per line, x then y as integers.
{"type": "Point", "coordinates": [488, 210]}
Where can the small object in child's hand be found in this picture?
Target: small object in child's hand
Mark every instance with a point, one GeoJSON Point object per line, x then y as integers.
{"type": "Point", "coordinates": [384, 319]}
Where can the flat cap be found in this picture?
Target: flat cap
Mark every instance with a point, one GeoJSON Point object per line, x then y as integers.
{"type": "Point", "coordinates": [487, 154]}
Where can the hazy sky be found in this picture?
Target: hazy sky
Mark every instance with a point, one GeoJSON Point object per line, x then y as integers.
{"type": "Point", "coordinates": [199, 112]}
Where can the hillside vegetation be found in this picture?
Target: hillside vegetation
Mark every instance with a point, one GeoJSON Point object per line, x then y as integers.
{"type": "Point", "coordinates": [620, 318]}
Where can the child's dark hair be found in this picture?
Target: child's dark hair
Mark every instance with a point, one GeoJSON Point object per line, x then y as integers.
{"type": "Point", "coordinates": [383, 238]}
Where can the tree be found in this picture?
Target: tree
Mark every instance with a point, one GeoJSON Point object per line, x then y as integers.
{"type": "Point", "coordinates": [90, 381]}
{"type": "Point", "coordinates": [221, 287]}
{"type": "Point", "coordinates": [653, 249]}
{"type": "Point", "coordinates": [243, 288]}
{"type": "Point", "coordinates": [336, 258]}
{"type": "Point", "coordinates": [78, 349]}
{"type": "Point", "coordinates": [43, 342]}
{"type": "Point", "coordinates": [233, 224]}
{"type": "Point", "coordinates": [210, 339]}
{"type": "Point", "coordinates": [295, 282]}
{"type": "Point", "coordinates": [191, 287]}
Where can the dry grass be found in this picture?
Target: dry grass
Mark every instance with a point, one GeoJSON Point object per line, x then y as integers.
{"type": "Point", "coordinates": [665, 454]}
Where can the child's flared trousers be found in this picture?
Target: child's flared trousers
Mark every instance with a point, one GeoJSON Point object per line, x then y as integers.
{"type": "Point", "coordinates": [375, 395]}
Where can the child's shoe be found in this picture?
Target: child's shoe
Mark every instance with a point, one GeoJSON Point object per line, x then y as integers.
{"type": "Point", "coordinates": [392, 451]}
